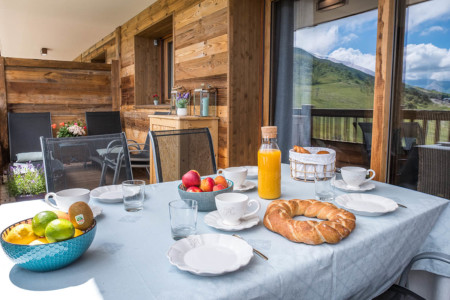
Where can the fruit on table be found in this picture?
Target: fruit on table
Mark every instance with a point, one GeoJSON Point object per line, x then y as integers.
{"type": "Point", "coordinates": [78, 232]}
{"type": "Point", "coordinates": [41, 220]}
{"type": "Point", "coordinates": [221, 180]}
{"type": "Point", "coordinates": [194, 189]}
{"type": "Point", "coordinates": [21, 234]}
{"type": "Point", "coordinates": [61, 214]}
{"type": "Point", "coordinates": [218, 187]}
{"type": "Point", "coordinates": [207, 184]}
{"type": "Point", "coordinates": [39, 241]}
{"type": "Point", "coordinates": [323, 152]}
{"type": "Point", "coordinates": [81, 216]}
{"type": "Point", "coordinates": [191, 178]}
{"type": "Point", "coordinates": [59, 230]}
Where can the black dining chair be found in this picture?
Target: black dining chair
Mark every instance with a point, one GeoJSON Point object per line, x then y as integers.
{"type": "Point", "coordinates": [140, 154]}
{"type": "Point", "coordinates": [177, 151]}
{"type": "Point", "coordinates": [24, 130]}
{"type": "Point", "coordinates": [103, 122]}
{"type": "Point", "coordinates": [400, 290]}
{"type": "Point", "coordinates": [85, 161]}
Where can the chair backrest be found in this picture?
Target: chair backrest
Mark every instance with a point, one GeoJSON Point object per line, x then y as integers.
{"type": "Point", "coordinates": [177, 151]}
{"type": "Point", "coordinates": [103, 122]}
{"type": "Point", "coordinates": [79, 162]}
{"type": "Point", "coordinates": [24, 131]}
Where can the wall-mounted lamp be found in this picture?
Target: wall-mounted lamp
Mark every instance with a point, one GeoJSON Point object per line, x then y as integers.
{"type": "Point", "coordinates": [44, 51]}
{"type": "Point", "coordinates": [155, 42]}
{"type": "Point", "coordinates": [329, 4]}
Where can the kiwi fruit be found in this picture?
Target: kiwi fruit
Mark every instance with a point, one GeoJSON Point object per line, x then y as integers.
{"type": "Point", "coordinates": [81, 216]}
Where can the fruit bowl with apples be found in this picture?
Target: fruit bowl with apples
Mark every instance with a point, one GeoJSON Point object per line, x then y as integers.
{"type": "Point", "coordinates": [203, 189]}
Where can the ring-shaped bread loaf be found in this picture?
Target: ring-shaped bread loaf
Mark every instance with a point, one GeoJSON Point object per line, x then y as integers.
{"type": "Point", "coordinates": [338, 225]}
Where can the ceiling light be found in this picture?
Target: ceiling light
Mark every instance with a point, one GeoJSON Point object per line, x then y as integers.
{"type": "Point", "coordinates": [329, 4]}
{"type": "Point", "coordinates": [44, 51]}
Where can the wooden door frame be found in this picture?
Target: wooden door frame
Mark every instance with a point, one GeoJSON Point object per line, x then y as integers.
{"type": "Point", "coordinates": [383, 86]}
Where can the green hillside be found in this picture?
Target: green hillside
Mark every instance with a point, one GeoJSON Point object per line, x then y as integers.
{"type": "Point", "coordinates": [326, 84]}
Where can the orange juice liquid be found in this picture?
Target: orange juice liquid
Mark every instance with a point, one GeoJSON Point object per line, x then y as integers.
{"type": "Point", "coordinates": [269, 173]}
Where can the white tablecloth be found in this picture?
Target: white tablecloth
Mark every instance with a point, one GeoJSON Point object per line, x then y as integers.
{"type": "Point", "coordinates": [127, 259]}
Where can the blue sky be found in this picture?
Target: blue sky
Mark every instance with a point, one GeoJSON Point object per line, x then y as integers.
{"type": "Point", "coordinates": [353, 40]}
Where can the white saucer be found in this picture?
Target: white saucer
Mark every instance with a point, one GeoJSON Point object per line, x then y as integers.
{"type": "Point", "coordinates": [213, 219]}
{"type": "Point", "coordinates": [108, 193]}
{"type": "Point", "coordinates": [252, 172]}
{"type": "Point", "coordinates": [96, 210]}
{"type": "Point", "coordinates": [247, 185]}
{"type": "Point", "coordinates": [340, 184]}
{"type": "Point", "coordinates": [366, 204]}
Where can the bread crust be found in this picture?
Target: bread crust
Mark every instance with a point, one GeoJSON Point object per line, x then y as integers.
{"type": "Point", "coordinates": [338, 223]}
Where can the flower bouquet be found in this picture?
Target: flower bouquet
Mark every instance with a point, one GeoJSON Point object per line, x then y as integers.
{"type": "Point", "coordinates": [155, 99]}
{"type": "Point", "coordinates": [70, 129]}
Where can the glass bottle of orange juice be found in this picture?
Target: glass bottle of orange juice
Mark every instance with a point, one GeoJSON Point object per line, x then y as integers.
{"type": "Point", "coordinates": [269, 165]}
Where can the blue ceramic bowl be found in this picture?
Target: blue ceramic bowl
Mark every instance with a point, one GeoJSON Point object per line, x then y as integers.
{"type": "Point", "coordinates": [206, 200]}
{"type": "Point", "coordinates": [47, 257]}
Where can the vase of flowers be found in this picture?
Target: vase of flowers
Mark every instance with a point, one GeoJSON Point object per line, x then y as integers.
{"type": "Point", "coordinates": [70, 129]}
{"type": "Point", "coordinates": [182, 103]}
{"type": "Point", "coordinates": [26, 182]}
{"type": "Point", "coordinates": [155, 99]}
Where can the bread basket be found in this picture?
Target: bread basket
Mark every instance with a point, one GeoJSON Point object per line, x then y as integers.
{"type": "Point", "coordinates": [305, 166]}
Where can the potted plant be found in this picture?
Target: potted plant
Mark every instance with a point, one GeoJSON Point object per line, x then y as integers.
{"type": "Point", "coordinates": [26, 182]}
{"type": "Point", "coordinates": [182, 102]}
{"type": "Point", "coordinates": [155, 99]}
{"type": "Point", "coordinates": [70, 129]}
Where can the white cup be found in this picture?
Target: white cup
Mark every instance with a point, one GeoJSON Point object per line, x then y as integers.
{"type": "Point", "coordinates": [232, 207]}
{"type": "Point", "coordinates": [235, 174]}
{"type": "Point", "coordinates": [355, 176]}
{"type": "Point", "coordinates": [65, 198]}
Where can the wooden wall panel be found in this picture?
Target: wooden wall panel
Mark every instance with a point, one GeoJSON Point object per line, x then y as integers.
{"type": "Point", "coordinates": [3, 116]}
{"type": "Point", "coordinates": [66, 89]}
{"type": "Point", "coordinates": [245, 80]}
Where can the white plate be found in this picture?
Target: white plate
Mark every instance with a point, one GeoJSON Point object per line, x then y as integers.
{"type": "Point", "coordinates": [247, 185]}
{"type": "Point", "coordinates": [213, 219]}
{"type": "Point", "coordinates": [340, 184]}
{"type": "Point", "coordinates": [108, 193]}
{"type": "Point", "coordinates": [366, 204]}
{"type": "Point", "coordinates": [252, 172]}
{"type": "Point", "coordinates": [210, 254]}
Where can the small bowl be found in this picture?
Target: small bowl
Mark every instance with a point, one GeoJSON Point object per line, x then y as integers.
{"type": "Point", "coordinates": [206, 200]}
{"type": "Point", "coordinates": [47, 257]}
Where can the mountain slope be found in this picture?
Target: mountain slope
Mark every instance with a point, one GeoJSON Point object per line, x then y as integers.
{"type": "Point", "coordinates": [328, 84]}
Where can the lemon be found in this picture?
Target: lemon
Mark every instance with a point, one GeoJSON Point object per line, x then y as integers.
{"type": "Point", "coordinates": [39, 241]}
{"type": "Point", "coordinates": [41, 220]}
{"type": "Point", "coordinates": [59, 230]}
{"type": "Point", "coordinates": [78, 232]}
{"type": "Point", "coordinates": [21, 234]}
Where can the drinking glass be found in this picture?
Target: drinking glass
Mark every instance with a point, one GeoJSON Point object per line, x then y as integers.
{"type": "Point", "coordinates": [323, 185]}
{"type": "Point", "coordinates": [133, 195]}
{"type": "Point", "coordinates": [183, 218]}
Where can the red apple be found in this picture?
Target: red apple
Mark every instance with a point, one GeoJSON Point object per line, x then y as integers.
{"type": "Point", "coordinates": [191, 178]}
{"type": "Point", "coordinates": [207, 184]}
{"type": "Point", "coordinates": [221, 180]}
{"type": "Point", "coordinates": [194, 189]}
{"type": "Point", "coordinates": [218, 187]}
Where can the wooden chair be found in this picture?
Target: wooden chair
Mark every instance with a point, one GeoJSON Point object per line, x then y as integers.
{"type": "Point", "coordinates": [24, 130]}
{"type": "Point", "coordinates": [85, 161]}
{"type": "Point", "coordinates": [177, 151]}
{"type": "Point", "coordinates": [103, 122]}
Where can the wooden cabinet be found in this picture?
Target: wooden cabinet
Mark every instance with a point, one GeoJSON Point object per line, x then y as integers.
{"type": "Point", "coordinates": [172, 122]}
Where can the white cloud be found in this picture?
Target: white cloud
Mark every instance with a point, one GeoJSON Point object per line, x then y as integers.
{"type": "Point", "coordinates": [432, 29]}
{"type": "Point", "coordinates": [354, 56]}
{"type": "Point", "coordinates": [430, 10]}
{"type": "Point", "coordinates": [317, 40]}
{"type": "Point", "coordinates": [427, 61]}
{"type": "Point", "coordinates": [349, 37]}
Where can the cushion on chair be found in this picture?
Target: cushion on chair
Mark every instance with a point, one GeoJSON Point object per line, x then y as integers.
{"type": "Point", "coordinates": [28, 156]}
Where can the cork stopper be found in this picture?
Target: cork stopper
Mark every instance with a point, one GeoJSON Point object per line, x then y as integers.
{"type": "Point", "coordinates": [269, 132]}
